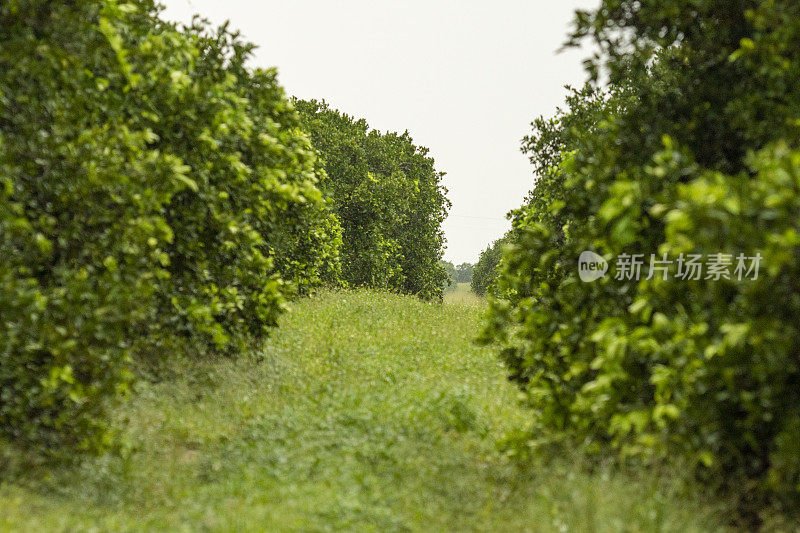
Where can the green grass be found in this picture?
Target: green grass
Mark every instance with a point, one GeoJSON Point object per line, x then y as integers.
{"type": "Point", "coordinates": [365, 411]}
{"type": "Point", "coordinates": [461, 293]}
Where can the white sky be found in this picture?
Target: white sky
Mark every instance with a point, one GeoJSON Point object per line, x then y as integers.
{"type": "Point", "coordinates": [464, 77]}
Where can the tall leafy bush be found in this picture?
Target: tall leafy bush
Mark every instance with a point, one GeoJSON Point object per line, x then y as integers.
{"type": "Point", "coordinates": [389, 199]}
{"type": "Point", "coordinates": [485, 270]}
{"type": "Point", "coordinates": [693, 152]}
{"type": "Point", "coordinates": [154, 193]}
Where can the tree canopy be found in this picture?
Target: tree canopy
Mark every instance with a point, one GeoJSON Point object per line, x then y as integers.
{"type": "Point", "coordinates": [692, 149]}
{"type": "Point", "coordinates": [389, 200]}
{"type": "Point", "coordinates": [155, 195]}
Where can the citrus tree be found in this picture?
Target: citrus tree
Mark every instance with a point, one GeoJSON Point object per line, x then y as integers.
{"type": "Point", "coordinates": [154, 194]}
{"type": "Point", "coordinates": [693, 152]}
{"type": "Point", "coordinates": [389, 199]}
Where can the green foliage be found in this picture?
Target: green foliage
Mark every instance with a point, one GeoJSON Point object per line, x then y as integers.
{"type": "Point", "coordinates": [693, 151]}
{"type": "Point", "coordinates": [464, 272]}
{"type": "Point", "coordinates": [550, 142]}
{"type": "Point", "coordinates": [389, 199]}
{"type": "Point", "coordinates": [81, 235]}
{"type": "Point", "coordinates": [153, 192]}
{"type": "Point", "coordinates": [724, 376]}
{"type": "Point", "coordinates": [450, 270]}
{"type": "Point", "coordinates": [485, 270]}
{"type": "Point", "coordinates": [553, 137]}
{"type": "Point", "coordinates": [253, 225]}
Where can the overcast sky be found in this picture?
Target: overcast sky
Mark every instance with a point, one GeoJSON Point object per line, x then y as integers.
{"type": "Point", "coordinates": [464, 77]}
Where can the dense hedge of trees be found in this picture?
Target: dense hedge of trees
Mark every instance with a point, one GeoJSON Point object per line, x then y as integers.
{"type": "Point", "coordinates": [693, 149]}
{"type": "Point", "coordinates": [485, 270]}
{"type": "Point", "coordinates": [389, 199]}
{"type": "Point", "coordinates": [464, 272]}
{"type": "Point", "coordinates": [154, 194]}
{"type": "Point", "coordinates": [458, 274]}
{"type": "Point", "coordinates": [157, 196]}
{"type": "Point", "coordinates": [450, 270]}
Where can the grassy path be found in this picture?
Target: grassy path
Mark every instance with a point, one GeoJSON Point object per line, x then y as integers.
{"type": "Point", "coordinates": [365, 411]}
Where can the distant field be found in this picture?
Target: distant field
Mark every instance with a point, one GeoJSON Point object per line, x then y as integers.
{"type": "Point", "coordinates": [365, 411]}
{"type": "Point", "coordinates": [460, 293]}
